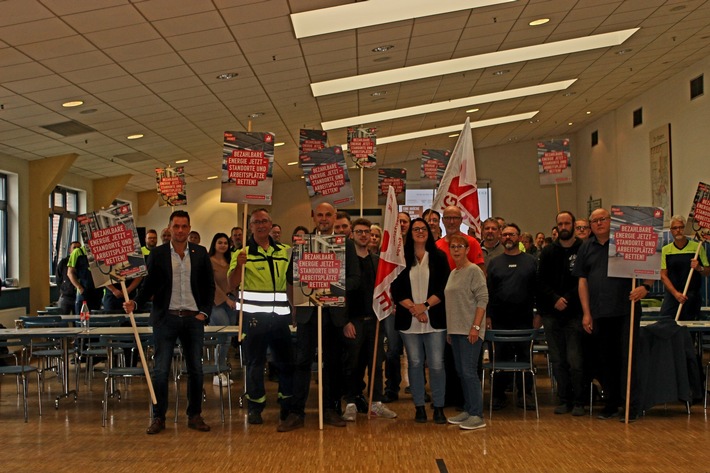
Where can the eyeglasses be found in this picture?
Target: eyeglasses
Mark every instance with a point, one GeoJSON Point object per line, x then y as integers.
{"type": "Point", "coordinates": [452, 219]}
{"type": "Point", "coordinates": [580, 228]}
{"type": "Point", "coordinates": [419, 229]}
{"type": "Point", "coordinates": [361, 232]}
{"type": "Point", "coordinates": [677, 228]}
{"type": "Point", "coordinates": [260, 222]}
{"type": "Point", "coordinates": [508, 235]}
{"type": "Point", "coordinates": [599, 220]}
{"type": "Point", "coordinates": [457, 247]}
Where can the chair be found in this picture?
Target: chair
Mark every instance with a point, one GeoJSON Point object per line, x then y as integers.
{"type": "Point", "coordinates": [47, 350]}
{"type": "Point", "coordinates": [499, 337]}
{"type": "Point", "coordinates": [209, 370]}
{"type": "Point", "coordinates": [95, 348]}
{"type": "Point", "coordinates": [20, 370]}
{"type": "Point", "coordinates": [541, 347]}
{"type": "Point", "coordinates": [111, 342]}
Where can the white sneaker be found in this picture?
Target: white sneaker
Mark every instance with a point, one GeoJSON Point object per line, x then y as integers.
{"type": "Point", "coordinates": [459, 418]}
{"type": "Point", "coordinates": [380, 410]}
{"type": "Point", "coordinates": [350, 414]}
{"type": "Point", "coordinates": [225, 380]}
{"type": "Point", "coordinates": [472, 423]}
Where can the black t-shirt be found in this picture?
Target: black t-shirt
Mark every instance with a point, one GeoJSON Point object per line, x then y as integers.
{"type": "Point", "coordinates": [511, 289]}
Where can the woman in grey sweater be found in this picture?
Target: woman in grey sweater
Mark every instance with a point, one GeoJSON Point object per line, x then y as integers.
{"type": "Point", "coordinates": [465, 290]}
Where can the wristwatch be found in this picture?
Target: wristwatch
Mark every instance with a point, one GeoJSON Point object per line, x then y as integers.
{"type": "Point", "coordinates": [426, 304]}
{"type": "Point", "coordinates": [648, 288]}
{"type": "Point", "coordinates": [477, 327]}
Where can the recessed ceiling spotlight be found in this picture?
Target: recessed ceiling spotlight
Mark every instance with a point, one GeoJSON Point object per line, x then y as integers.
{"type": "Point", "coordinates": [209, 178]}
{"type": "Point", "coordinates": [292, 163]}
{"type": "Point", "coordinates": [539, 21]}
{"type": "Point", "coordinates": [621, 52]}
{"type": "Point", "coordinates": [382, 49]}
{"type": "Point", "coordinates": [255, 115]}
{"type": "Point", "coordinates": [227, 75]}
{"type": "Point", "coordinates": [568, 94]}
{"type": "Point", "coordinates": [570, 123]}
{"type": "Point", "coordinates": [454, 135]}
{"type": "Point", "coordinates": [589, 112]}
{"type": "Point", "coordinates": [73, 103]}
{"type": "Point", "coordinates": [534, 121]}
{"type": "Point", "coordinates": [302, 176]}
{"type": "Point", "coordinates": [472, 110]}
{"type": "Point", "coordinates": [501, 72]}
{"type": "Point", "coordinates": [280, 143]}
{"type": "Point", "coordinates": [182, 161]}
{"type": "Point", "coordinates": [88, 111]}
{"type": "Point", "coordinates": [137, 136]}
{"type": "Point", "coordinates": [379, 93]}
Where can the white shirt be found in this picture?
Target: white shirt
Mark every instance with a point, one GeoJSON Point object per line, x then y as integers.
{"type": "Point", "coordinates": [181, 297]}
{"type": "Point", "coordinates": [419, 280]}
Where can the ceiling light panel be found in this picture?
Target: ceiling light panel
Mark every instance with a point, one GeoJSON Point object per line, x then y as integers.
{"type": "Point", "coordinates": [481, 61]}
{"type": "Point", "coordinates": [375, 12]}
{"type": "Point", "coordinates": [447, 105]}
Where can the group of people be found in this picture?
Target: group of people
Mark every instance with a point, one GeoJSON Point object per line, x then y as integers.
{"type": "Point", "coordinates": [452, 289]}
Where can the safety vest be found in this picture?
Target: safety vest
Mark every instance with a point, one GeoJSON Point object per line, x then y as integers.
{"type": "Point", "coordinates": [264, 280]}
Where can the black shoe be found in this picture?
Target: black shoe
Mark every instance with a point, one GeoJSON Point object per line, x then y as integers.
{"type": "Point", "coordinates": [331, 417]}
{"type": "Point", "coordinates": [529, 403]}
{"type": "Point", "coordinates": [608, 413]}
{"type": "Point", "coordinates": [420, 414]}
{"type": "Point", "coordinates": [499, 403]}
{"type": "Point", "coordinates": [254, 418]}
{"type": "Point", "coordinates": [439, 417]}
{"type": "Point", "coordinates": [563, 409]}
{"type": "Point", "coordinates": [292, 422]}
{"type": "Point", "coordinates": [390, 397]}
{"type": "Point", "coordinates": [633, 417]}
{"type": "Point", "coordinates": [361, 404]}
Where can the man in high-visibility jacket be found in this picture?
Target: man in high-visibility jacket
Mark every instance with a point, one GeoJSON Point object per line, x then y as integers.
{"type": "Point", "coordinates": [266, 313]}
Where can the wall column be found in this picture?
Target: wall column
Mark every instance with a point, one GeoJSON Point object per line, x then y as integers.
{"type": "Point", "coordinates": [45, 174]}
{"type": "Point", "coordinates": [107, 189]}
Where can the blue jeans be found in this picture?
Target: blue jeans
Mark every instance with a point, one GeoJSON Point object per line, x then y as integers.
{"type": "Point", "coordinates": [466, 361]}
{"type": "Point", "coordinates": [564, 340]}
{"type": "Point", "coordinates": [191, 332]}
{"type": "Point", "coordinates": [223, 315]}
{"type": "Point", "coordinates": [429, 347]}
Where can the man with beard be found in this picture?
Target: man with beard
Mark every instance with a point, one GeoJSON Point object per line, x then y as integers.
{"type": "Point", "coordinates": [491, 241]}
{"type": "Point", "coordinates": [677, 259]}
{"type": "Point", "coordinates": [511, 299]}
{"type": "Point", "coordinates": [558, 303]}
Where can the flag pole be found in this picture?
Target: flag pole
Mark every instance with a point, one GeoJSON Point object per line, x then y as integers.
{"type": "Point", "coordinates": [690, 276]}
{"type": "Point", "coordinates": [631, 354]}
{"type": "Point", "coordinates": [373, 369]}
{"type": "Point", "coordinates": [139, 345]}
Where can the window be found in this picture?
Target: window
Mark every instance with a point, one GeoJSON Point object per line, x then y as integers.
{"type": "Point", "coordinates": [63, 227]}
{"type": "Point", "coordinates": [4, 251]}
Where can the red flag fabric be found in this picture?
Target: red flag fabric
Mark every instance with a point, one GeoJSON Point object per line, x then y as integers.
{"type": "Point", "coordinates": [391, 259]}
{"type": "Point", "coordinates": [458, 186]}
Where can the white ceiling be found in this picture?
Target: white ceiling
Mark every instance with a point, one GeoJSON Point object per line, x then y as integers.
{"type": "Point", "coordinates": [150, 66]}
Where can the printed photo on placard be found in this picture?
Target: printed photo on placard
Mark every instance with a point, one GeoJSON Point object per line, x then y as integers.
{"type": "Point", "coordinates": [311, 140]}
{"type": "Point", "coordinates": [319, 268]}
{"type": "Point", "coordinates": [699, 217]}
{"type": "Point", "coordinates": [247, 167]}
{"type": "Point", "coordinates": [327, 179]}
{"type": "Point", "coordinates": [636, 242]}
{"type": "Point", "coordinates": [395, 177]}
{"type": "Point", "coordinates": [362, 146]}
{"type": "Point", "coordinates": [112, 245]}
{"type": "Point", "coordinates": [553, 162]}
{"type": "Point", "coordinates": [170, 183]}
{"type": "Point", "coordinates": [433, 165]}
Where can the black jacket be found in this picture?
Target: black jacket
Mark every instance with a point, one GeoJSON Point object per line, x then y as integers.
{"type": "Point", "coordinates": [555, 280]}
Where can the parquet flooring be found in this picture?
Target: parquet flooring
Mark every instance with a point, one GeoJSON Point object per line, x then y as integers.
{"type": "Point", "coordinates": [72, 439]}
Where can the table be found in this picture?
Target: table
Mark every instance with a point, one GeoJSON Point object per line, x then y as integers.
{"type": "Point", "coordinates": [62, 333]}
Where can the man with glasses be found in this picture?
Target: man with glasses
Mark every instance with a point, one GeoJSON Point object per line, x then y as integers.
{"type": "Point", "coordinates": [558, 303]}
{"type": "Point", "coordinates": [452, 224]}
{"type": "Point", "coordinates": [677, 261]}
{"type": "Point", "coordinates": [511, 299]}
{"type": "Point", "coordinates": [582, 230]}
{"type": "Point", "coordinates": [360, 331]}
{"type": "Point", "coordinates": [606, 305]}
{"type": "Point", "coordinates": [266, 314]}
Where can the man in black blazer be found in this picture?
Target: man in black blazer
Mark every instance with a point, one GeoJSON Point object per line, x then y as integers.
{"type": "Point", "coordinates": [181, 282]}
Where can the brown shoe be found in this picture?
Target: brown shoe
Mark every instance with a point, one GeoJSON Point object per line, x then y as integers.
{"type": "Point", "coordinates": [292, 422]}
{"type": "Point", "coordinates": [197, 423]}
{"type": "Point", "coordinates": [331, 417]}
{"type": "Point", "coordinates": [157, 426]}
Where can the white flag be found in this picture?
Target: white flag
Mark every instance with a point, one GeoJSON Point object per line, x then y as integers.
{"type": "Point", "coordinates": [391, 258]}
{"type": "Point", "coordinates": [458, 186]}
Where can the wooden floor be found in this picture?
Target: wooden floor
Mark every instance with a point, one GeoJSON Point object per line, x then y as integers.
{"type": "Point", "coordinates": [72, 439]}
